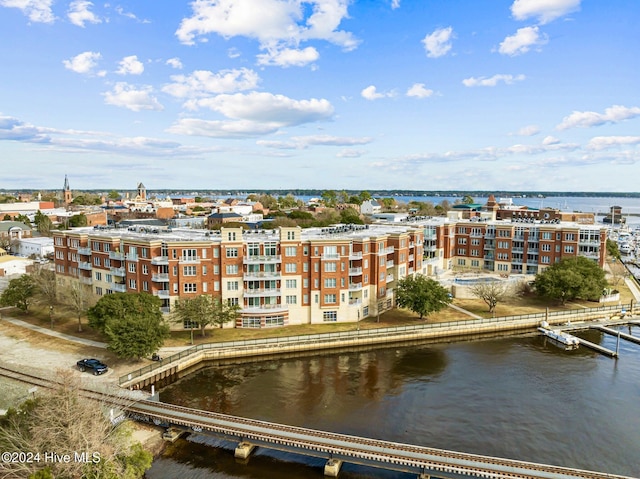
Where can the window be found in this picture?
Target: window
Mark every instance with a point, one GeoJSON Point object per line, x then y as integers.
{"type": "Point", "coordinates": [461, 262]}
{"type": "Point", "coordinates": [570, 237]}
{"type": "Point", "coordinates": [330, 316]}
{"type": "Point", "coordinates": [232, 285]}
{"type": "Point", "coordinates": [131, 267]}
{"type": "Point", "coordinates": [290, 267]}
{"type": "Point", "coordinates": [330, 267]}
{"type": "Point", "coordinates": [305, 283]}
{"type": "Point", "coordinates": [462, 252]}
{"type": "Point", "coordinates": [145, 269]}
{"type": "Point", "coordinates": [270, 248]}
{"type": "Point", "coordinates": [145, 286]}
{"type": "Point", "coordinates": [250, 322]}
{"type": "Point", "coordinates": [96, 260]}
{"type": "Point", "coordinates": [132, 284]}
{"type": "Point", "coordinates": [569, 249]}
{"type": "Point", "coordinates": [365, 311]}
{"type": "Point", "coordinates": [107, 263]}
{"type": "Point", "coordinates": [291, 299]}
{"type": "Point", "coordinates": [546, 247]}
{"type": "Point", "coordinates": [475, 263]}
{"type": "Point", "coordinates": [109, 278]}
{"type": "Point", "coordinates": [545, 260]}
{"type": "Point", "coordinates": [99, 291]}
{"type": "Point", "coordinates": [305, 267]}
{"type": "Point", "coordinates": [475, 242]}
{"type": "Point", "coordinates": [232, 252]}
{"type": "Point", "coordinates": [547, 235]}
{"type": "Point", "coordinates": [98, 276]}
{"type": "Point", "coordinates": [205, 287]}
{"type": "Point", "coordinates": [216, 285]}
{"type": "Point", "coordinates": [144, 252]}
{"type": "Point", "coordinates": [190, 287]}
{"type": "Point", "coordinates": [290, 251]}
{"type": "Point", "coordinates": [215, 252]}
{"type": "Point", "coordinates": [330, 298]}
{"type": "Point", "coordinates": [189, 254]}
{"type": "Point", "coordinates": [232, 269]}
{"type": "Point", "coordinates": [232, 301]}
{"type": "Point", "coordinates": [175, 271]}
{"type": "Point", "coordinates": [330, 283]}
{"type": "Point", "coordinates": [504, 233]}
{"type": "Point", "coordinates": [305, 299]}
{"type": "Point", "coordinates": [216, 269]}
{"type": "Point", "coordinates": [291, 235]}
{"type": "Point", "coordinates": [503, 267]}
{"type": "Point", "coordinates": [189, 270]}
{"type": "Point", "coordinates": [204, 269]}
{"type": "Point", "coordinates": [331, 251]}
{"type": "Point", "coordinates": [291, 283]}
{"type": "Point", "coordinates": [462, 240]}
{"type": "Point", "coordinates": [231, 236]}
{"type": "Point", "coordinates": [305, 250]}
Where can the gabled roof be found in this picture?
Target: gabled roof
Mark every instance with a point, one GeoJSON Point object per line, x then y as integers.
{"type": "Point", "coordinates": [7, 225]}
{"type": "Point", "coordinates": [219, 216]}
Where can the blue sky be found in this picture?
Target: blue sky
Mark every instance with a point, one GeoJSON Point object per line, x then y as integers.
{"type": "Point", "coordinates": [366, 94]}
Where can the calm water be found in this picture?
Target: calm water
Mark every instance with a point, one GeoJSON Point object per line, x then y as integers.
{"type": "Point", "coordinates": [522, 398]}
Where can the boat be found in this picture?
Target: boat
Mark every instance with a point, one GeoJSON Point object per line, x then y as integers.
{"type": "Point", "coordinates": [559, 336]}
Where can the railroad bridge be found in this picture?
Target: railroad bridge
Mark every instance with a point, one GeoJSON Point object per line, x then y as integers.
{"type": "Point", "coordinates": [339, 448]}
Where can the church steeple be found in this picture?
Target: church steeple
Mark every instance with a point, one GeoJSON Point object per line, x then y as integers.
{"type": "Point", "coordinates": [66, 192]}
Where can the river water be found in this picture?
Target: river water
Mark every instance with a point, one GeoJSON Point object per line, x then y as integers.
{"type": "Point", "coordinates": [517, 397]}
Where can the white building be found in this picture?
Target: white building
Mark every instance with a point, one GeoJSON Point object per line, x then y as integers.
{"type": "Point", "coordinates": [39, 247]}
{"type": "Point", "coordinates": [370, 207]}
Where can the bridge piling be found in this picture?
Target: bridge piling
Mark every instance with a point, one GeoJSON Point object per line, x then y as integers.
{"type": "Point", "coordinates": [243, 450]}
{"type": "Point", "coordinates": [332, 467]}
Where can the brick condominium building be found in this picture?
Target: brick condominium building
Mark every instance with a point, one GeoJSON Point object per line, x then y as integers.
{"type": "Point", "coordinates": [298, 276]}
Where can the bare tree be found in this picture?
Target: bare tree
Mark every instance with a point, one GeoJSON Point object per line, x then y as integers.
{"type": "Point", "coordinates": [46, 289]}
{"type": "Point", "coordinates": [79, 298]}
{"type": "Point", "coordinates": [492, 292]}
{"type": "Point", "coordinates": [62, 421]}
{"type": "Point", "coordinates": [618, 272]}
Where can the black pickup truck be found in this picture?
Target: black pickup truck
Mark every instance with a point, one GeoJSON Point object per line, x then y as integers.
{"type": "Point", "coordinates": [92, 365]}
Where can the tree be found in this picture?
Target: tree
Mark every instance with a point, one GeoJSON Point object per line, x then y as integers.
{"type": "Point", "coordinates": [349, 215]}
{"type": "Point", "coordinates": [203, 311]}
{"type": "Point", "coordinates": [364, 196]}
{"type": "Point", "coordinates": [46, 289]}
{"type": "Point", "coordinates": [23, 219]}
{"type": "Point", "coordinates": [132, 322]}
{"type": "Point", "coordinates": [61, 420]}
{"type": "Point", "coordinates": [43, 223]}
{"type": "Point", "coordinates": [114, 195]}
{"type": "Point", "coordinates": [492, 292]}
{"type": "Point", "coordinates": [388, 203]}
{"type": "Point", "coordinates": [468, 200]}
{"type": "Point", "coordinates": [78, 220]}
{"type": "Point", "coordinates": [19, 293]}
{"type": "Point", "coordinates": [329, 197]}
{"type": "Point", "coordinates": [79, 298]}
{"type": "Point", "coordinates": [612, 249]}
{"type": "Point", "coordinates": [421, 295]}
{"type": "Point", "coordinates": [571, 278]}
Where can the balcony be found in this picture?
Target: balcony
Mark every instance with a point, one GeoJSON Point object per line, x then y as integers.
{"type": "Point", "coordinates": [85, 265]}
{"type": "Point", "coordinates": [116, 255]}
{"type": "Point", "coordinates": [355, 302]}
{"type": "Point", "coordinates": [355, 255]}
{"type": "Point", "coordinates": [132, 257]}
{"type": "Point", "coordinates": [411, 244]}
{"type": "Point", "coordinates": [355, 271]}
{"type": "Point", "coordinates": [262, 292]}
{"type": "Point", "coordinates": [411, 257]}
{"type": "Point", "coordinates": [389, 250]}
{"type": "Point", "coordinates": [118, 272]}
{"type": "Point", "coordinates": [160, 277]}
{"type": "Point", "coordinates": [162, 293]}
{"type": "Point", "coordinates": [430, 248]}
{"type": "Point", "coordinates": [165, 309]}
{"type": "Point", "coordinates": [262, 275]}
{"type": "Point", "coordinates": [389, 264]}
{"type": "Point", "coordinates": [266, 308]}
{"type": "Point", "coordinates": [85, 280]}
{"type": "Point", "coordinates": [330, 256]}
{"type": "Point", "coordinates": [84, 250]}
{"type": "Point", "coordinates": [355, 286]}
{"type": "Point", "coordinates": [119, 287]}
{"type": "Point", "coordinates": [189, 259]}
{"type": "Point", "coordinates": [390, 278]}
{"type": "Point", "coordinates": [489, 235]}
{"type": "Point", "coordinates": [256, 259]}
{"type": "Point", "coordinates": [160, 260]}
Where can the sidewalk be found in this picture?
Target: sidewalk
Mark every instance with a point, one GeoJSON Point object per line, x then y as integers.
{"type": "Point", "coordinates": [168, 351]}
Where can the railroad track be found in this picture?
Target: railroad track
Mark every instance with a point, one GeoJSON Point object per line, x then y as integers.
{"type": "Point", "coordinates": [358, 448]}
{"type": "Point", "coordinates": [326, 444]}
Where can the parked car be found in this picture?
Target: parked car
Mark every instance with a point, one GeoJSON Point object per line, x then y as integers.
{"type": "Point", "coordinates": [92, 365]}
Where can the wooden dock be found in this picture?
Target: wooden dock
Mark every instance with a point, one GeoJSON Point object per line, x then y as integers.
{"type": "Point", "coordinates": [613, 332]}
{"type": "Point", "coordinates": [597, 347]}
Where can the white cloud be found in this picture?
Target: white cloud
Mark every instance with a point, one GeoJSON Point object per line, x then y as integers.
{"type": "Point", "coordinates": [121, 11]}
{"type": "Point", "coordinates": [132, 98]}
{"type": "Point", "coordinates": [528, 130]}
{"type": "Point", "coordinates": [267, 108]}
{"type": "Point", "coordinates": [604, 142]}
{"type": "Point", "coordinates": [14, 129]}
{"type": "Point", "coordinates": [418, 90]}
{"type": "Point", "coordinates": [544, 10]}
{"type": "Point", "coordinates": [522, 41]}
{"type": "Point", "coordinates": [550, 140]}
{"type": "Point", "coordinates": [492, 81]}
{"type": "Point", "coordinates": [303, 142]}
{"type": "Point", "coordinates": [222, 129]}
{"type": "Point", "coordinates": [350, 153]}
{"type": "Point", "coordinates": [613, 114]}
{"type": "Point", "coordinates": [276, 24]}
{"type": "Point", "coordinates": [79, 13]}
{"type": "Point", "coordinates": [203, 83]}
{"type": "Point", "coordinates": [38, 11]}
{"type": "Point", "coordinates": [371, 93]}
{"type": "Point", "coordinates": [289, 57]}
{"type": "Point", "coordinates": [175, 63]}
{"type": "Point", "coordinates": [83, 63]}
{"type": "Point", "coordinates": [130, 66]}
{"type": "Point", "coordinates": [438, 43]}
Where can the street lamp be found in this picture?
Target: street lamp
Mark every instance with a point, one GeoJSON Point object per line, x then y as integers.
{"type": "Point", "coordinates": [51, 315]}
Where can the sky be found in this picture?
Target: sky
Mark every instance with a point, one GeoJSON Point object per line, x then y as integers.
{"type": "Point", "coordinates": [521, 95]}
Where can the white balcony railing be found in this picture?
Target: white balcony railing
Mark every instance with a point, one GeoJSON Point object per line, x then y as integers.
{"type": "Point", "coordinates": [330, 256]}
{"type": "Point", "coordinates": [85, 265]}
{"type": "Point", "coordinates": [160, 277]}
{"type": "Point", "coordinates": [119, 288]}
{"type": "Point", "coordinates": [355, 302]}
{"type": "Point", "coordinates": [118, 272]}
{"type": "Point", "coordinates": [84, 250]}
{"type": "Point", "coordinates": [85, 280]}
{"type": "Point", "coordinates": [262, 274]}
{"type": "Point", "coordinates": [355, 255]}
{"type": "Point", "coordinates": [262, 259]}
{"type": "Point", "coordinates": [266, 308]}
{"type": "Point", "coordinates": [116, 255]}
{"type": "Point", "coordinates": [162, 293]}
{"type": "Point", "coordinates": [390, 264]}
{"type": "Point", "coordinates": [355, 271]}
{"type": "Point", "coordinates": [355, 286]}
{"type": "Point", "coordinates": [262, 292]}
{"type": "Point", "coordinates": [160, 260]}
